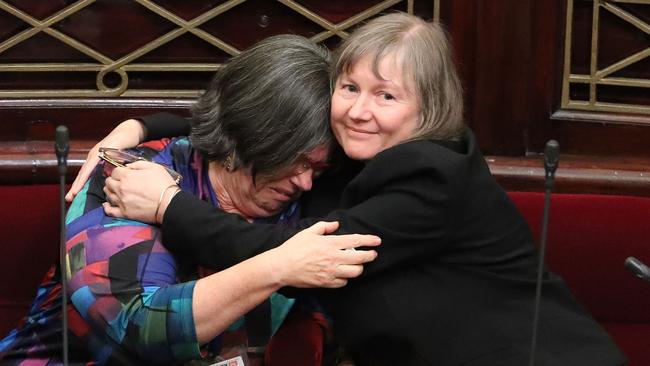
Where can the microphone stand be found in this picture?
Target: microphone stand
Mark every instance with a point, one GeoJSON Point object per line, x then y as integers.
{"type": "Point", "coordinates": [61, 148]}
{"type": "Point", "coordinates": [551, 160]}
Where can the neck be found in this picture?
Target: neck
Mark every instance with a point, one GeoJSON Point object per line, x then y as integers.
{"type": "Point", "coordinates": [223, 182]}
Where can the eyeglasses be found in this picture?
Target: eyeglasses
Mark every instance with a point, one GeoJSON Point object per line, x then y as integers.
{"type": "Point", "coordinates": [304, 164]}
{"type": "Point", "coordinates": [119, 158]}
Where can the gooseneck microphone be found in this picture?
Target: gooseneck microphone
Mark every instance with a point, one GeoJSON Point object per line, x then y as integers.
{"type": "Point", "coordinates": [61, 148]}
{"type": "Point", "coordinates": [638, 268]}
{"type": "Point", "coordinates": [551, 162]}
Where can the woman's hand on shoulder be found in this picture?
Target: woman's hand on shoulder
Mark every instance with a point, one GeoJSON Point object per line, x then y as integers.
{"type": "Point", "coordinates": [312, 258]}
{"type": "Point", "coordinates": [126, 135]}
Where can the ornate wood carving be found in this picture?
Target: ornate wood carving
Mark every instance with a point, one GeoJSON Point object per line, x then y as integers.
{"type": "Point", "coordinates": [92, 63]}
{"type": "Point", "coordinates": [145, 48]}
{"type": "Point", "coordinates": [606, 57]}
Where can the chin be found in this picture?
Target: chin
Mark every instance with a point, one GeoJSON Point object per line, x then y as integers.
{"type": "Point", "coordinates": [359, 153]}
{"type": "Point", "coordinates": [274, 210]}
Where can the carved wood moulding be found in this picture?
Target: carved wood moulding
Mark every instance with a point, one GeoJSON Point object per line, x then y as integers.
{"type": "Point", "coordinates": [162, 48]}
{"type": "Point", "coordinates": [607, 57]}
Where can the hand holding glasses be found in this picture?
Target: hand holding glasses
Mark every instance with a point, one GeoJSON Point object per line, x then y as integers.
{"type": "Point", "coordinates": [120, 158]}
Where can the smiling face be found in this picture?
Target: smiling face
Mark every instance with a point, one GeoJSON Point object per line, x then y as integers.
{"type": "Point", "coordinates": [370, 114]}
{"type": "Point", "coordinates": [267, 196]}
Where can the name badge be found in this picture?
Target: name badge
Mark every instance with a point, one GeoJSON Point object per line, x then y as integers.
{"type": "Point", "coordinates": [235, 361]}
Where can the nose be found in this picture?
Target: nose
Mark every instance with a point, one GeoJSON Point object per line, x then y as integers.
{"type": "Point", "coordinates": [359, 109]}
{"type": "Point", "coordinates": [303, 180]}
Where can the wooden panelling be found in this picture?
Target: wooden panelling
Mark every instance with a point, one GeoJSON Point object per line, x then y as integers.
{"type": "Point", "coordinates": [607, 49]}
{"type": "Point", "coordinates": [90, 64]}
{"type": "Point", "coordinates": [575, 174]}
{"type": "Point", "coordinates": [510, 54]}
{"type": "Point", "coordinates": [36, 119]}
{"type": "Point", "coordinates": [143, 48]}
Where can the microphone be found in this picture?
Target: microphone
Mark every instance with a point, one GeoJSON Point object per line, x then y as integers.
{"type": "Point", "coordinates": [638, 268]}
{"type": "Point", "coordinates": [551, 162]}
{"type": "Point", "coordinates": [61, 149]}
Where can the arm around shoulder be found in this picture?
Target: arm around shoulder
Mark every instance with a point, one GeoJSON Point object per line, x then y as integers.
{"type": "Point", "coordinates": [161, 125]}
{"type": "Point", "coordinates": [214, 238]}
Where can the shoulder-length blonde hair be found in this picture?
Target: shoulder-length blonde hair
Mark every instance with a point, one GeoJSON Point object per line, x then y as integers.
{"type": "Point", "coordinates": [426, 60]}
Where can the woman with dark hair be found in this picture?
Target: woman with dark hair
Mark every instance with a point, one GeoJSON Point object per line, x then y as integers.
{"type": "Point", "coordinates": [455, 279]}
{"type": "Point", "coordinates": [245, 156]}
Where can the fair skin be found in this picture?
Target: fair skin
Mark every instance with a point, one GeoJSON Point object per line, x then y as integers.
{"type": "Point", "coordinates": [370, 114]}
{"type": "Point", "coordinates": [309, 259]}
{"type": "Point", "coordinates": [237, 193]}
{"type": "Point", "coordinates": [127, 134]}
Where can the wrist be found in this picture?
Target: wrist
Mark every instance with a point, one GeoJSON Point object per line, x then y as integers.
{"type": "Point", "coordinates": [165, 199]}
{"type": "Point", "coordinates": [277, 272]}
{"type": "Point", "coordinates": [138, 128]}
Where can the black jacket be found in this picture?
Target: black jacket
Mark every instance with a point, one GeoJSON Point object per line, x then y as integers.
{"type": "Point", "coordinates": [454, 281]}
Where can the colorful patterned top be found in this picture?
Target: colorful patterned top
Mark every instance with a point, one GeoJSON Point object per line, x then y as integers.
{"type": "Point", "coordinates": [129, 304]}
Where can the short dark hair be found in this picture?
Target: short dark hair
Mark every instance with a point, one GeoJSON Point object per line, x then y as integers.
{"type": "Point", "coordinates": [266, 106]}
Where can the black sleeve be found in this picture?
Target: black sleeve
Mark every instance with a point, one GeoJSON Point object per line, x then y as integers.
{"type": "Point", "coordinates": [325, 194]}
{"type": "Point", "coordinates": [217, 240]}
{"type": "Point", "coordinates": [408, 208]}
{"type": "Point", "coordinates": [214, 238]}
{"type": "Point", "coordinates": [161, 125]}
{"type": "Point", "coordinates": [411, 215]}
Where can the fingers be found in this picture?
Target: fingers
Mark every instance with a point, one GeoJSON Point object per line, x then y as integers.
{"type": "Point", "coordinates": [335, 283]}
{"type": "Point", "coordinates": [346, 271]}
{"type": "Point", "coordinates": [351, 241]}
{"type": "Point", "coordinates": [113, 210]}
{"type": "Point", "coordinates": [111, 197]}
{"type": "Point", "coordinates": [110, 185]}
{"type": "Point", "coordinates": [342, 274]}
{"type": "Point", "coordinates": [348, 241]}
{"type": "Point", "coordinates": [140, 165]}
{"type": "Point", "coordinates": [323, 227]}
{"type": "Point", "coordinates": [118, 172]}
{"type": "Point", "coordinates": [127, 134]}
{"type": "Point", "coordinates": [314, 259]}
{"type": "Point", "coordinates": [83, 175]}
{"type": "Point", "coordinates": [358, 256]}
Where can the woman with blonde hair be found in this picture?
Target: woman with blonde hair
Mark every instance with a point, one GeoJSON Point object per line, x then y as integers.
{"type": "Point", "coordinates": [133, 302]}
{"type": "Point", "coordinates": [454, 281]}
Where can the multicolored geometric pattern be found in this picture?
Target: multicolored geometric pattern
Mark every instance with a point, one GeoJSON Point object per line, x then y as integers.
{"type": "Point", "coordinates": [37, 340]}
{"type": "Point", "coordinates": [123, 283]}
{"type": "Point", "coordinates": [129, 306]}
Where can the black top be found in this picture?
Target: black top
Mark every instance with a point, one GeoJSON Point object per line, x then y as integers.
{"type": "Point", "coordinates": [454, 282]}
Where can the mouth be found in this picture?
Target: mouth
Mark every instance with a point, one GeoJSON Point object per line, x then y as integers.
{"type": "Point", "coordinates": [359, 130]}
{"type": "Point", "coordinates": [284, 195]}
{"type": "Point", "coordinates": [356, 134]}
